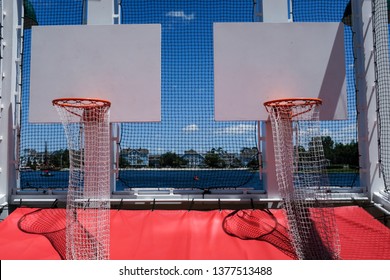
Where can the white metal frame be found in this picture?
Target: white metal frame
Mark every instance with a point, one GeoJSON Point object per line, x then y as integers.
{"type": "Point", "coordinates": [365, 87]}
{"type": "Point", "coordinates": [10, 96]}
{"type": "Point", "coordinates": [279, 9]}
{"type": "Point", "coordinates": [379, 14]}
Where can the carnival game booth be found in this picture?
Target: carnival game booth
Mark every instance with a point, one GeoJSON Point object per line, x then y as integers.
{"type": "Point", "coordinates": [188, 130]}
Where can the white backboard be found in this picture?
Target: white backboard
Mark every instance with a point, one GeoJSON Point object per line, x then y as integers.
{"type": "Point", "coordinates": [119, 63]}
{"type": "Point", "coordinates": [257, 62]}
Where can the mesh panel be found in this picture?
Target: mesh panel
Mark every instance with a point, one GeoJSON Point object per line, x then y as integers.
{"type": "Point", "coordinates": [339, 137]}
{"type": "Point", "coordinates": [188, 148]}
{"type": "Point", "coordinates": [44, 158]}
{"type": "Point", "coordinates": [208, 154]}
{"type": "Point", "coordinates": [382, 72]}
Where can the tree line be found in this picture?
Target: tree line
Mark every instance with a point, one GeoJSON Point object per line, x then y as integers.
{"type": "Point", "coordinates": [214, 158]}
{"type": "Point", "coordinates": [338, 155]}
{"type": "Point", "coordinates": [55, 160]}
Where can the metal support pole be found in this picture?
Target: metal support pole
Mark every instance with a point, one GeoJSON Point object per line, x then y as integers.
{"type": "Point", "coordinates": [366, 95]}
{"type": "Point", "coordinates": [10, 44]}
{"type": "Point", "coordinates": [273, 11]}
{"type": "Point", "coordinates": [101, 12]}
{"type": "Point", "coordinates": [106, 12]}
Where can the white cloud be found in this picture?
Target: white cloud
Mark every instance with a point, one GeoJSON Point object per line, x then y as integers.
{"type": "Point", "coordinates": [180, 14]}
{"type": "Point", "coordinates": [191, 128]}
{"type": "Point", "coordinates": [237, 129]}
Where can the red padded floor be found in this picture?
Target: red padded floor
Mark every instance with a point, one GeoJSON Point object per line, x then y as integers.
{"type": "Point", "coordinates": [196, 235]}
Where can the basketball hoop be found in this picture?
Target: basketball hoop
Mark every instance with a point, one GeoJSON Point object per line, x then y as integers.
{"type": "Point", "coordinates": [90, 106]}
{"type": "Point", "coordinates": [86, 124]}
{"type": "Point", "coordinates": [301, 177]}
{"type": "Point", "coordinates": [296, 106]}
{"type": "Point", "coordinates": [81, 102]}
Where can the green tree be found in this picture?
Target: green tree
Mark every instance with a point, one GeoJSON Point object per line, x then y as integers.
{"type": "Point", "coordinates": [346, 154]}
{"type": "Point", "coordinates": [213, 158]}
{"type": "Point", "coordinates": [58, 159]}
{"type": "Point", "coordinates": [34, 165]}
{"type": "Point", "coordinates": [123, 162]}
{"type": "Point", "coordinates": [65, 159]}
{"type": "Point", "coordinates": [55, 159]}
{"type": "Point", "coordinates": [236, 163]}
{"type": "Point", "coordinates": [29, 163]}
{"type": "Point", "coordinates": [353, 150]}
{"type": "Point", "coordinates": [328, 145]}
{"type": "Point", "coordinates": [254, 163]}
{"type": "Point", "coordinates": [171, 159]}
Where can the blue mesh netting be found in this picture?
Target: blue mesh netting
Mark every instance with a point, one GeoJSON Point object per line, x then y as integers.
{"type": "Point", "coordinates": [43, 146]}
{"type": "Point", "coordinates": [340, 142]}
{"type": "Point", "coordinates": [188, 149]}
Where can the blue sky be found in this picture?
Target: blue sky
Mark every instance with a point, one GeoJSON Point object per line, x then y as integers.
{"type": "Point", "coordinates": [187, 74]}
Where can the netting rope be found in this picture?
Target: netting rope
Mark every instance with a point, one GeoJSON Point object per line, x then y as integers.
{"type": "Point", "coordinates": [302, 181]}
{"type": "Point", "coordinates": [86, 124]}
{"type": "Point", "coordinates": [382, 70]}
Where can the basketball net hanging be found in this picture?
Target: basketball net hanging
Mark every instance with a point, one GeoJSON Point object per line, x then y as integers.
{"type": "Point", "coordinates": [301, 176]}
{"type": "Point", "coordinates": [86, 124]}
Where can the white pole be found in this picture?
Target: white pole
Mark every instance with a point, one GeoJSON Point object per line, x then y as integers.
{"type": "Point", "coordinates": [100, 12]}
{"type": "Point", "coordinates": [103, 12]}
{"type": "Point", "coordinates": [10, 44]}
{"type": "Point", "coordinates": [275, 11]}
{"type": "Point", "coordinates": [366, 95]}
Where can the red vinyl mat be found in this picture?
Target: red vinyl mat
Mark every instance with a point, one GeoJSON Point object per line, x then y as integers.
{"type": "Point", "coordinates": [30, 233]}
